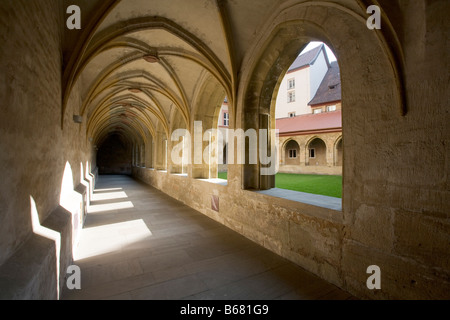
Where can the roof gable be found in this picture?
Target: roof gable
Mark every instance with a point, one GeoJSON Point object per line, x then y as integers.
{"type": "Point", "coordinates": [330, 88]}
{"type": "Point", "coordinates": [306, 59]}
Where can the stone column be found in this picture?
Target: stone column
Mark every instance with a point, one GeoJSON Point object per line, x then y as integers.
{"type": "Point", "coordinates": [149, 153]}
{"type": "Point", "coordinates": [203, 155]}
{"type": "Point", "coordinates": [142, 159]}
{"type": "Point", "coordinates": [330, 152]}
{"type": "Point", "coordinates": [266, 158]}
{"type": "Point", "coordinates": [160, 148]}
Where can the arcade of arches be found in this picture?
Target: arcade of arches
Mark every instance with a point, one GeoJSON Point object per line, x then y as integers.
{"type": "Point", "coordinates": [107, 98]}
{"type": "Point", "coordinates": [312, 154]}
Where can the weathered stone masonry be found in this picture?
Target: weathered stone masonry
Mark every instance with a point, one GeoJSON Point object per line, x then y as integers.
{"type": "Point", "coordinates": [395, 128]}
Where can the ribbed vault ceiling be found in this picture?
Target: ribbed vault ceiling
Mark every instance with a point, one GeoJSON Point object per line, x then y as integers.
{"type": "Point", "coordinates": [142, 65]}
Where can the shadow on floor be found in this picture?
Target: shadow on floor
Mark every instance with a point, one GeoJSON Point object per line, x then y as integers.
{"type": "Point", "coordinates": [138, 244]}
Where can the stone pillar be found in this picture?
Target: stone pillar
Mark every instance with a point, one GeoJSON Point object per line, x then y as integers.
{"type": "Point", "coordinates": [250, 178]}
{"type": "Point", "coordinates": [135, 155]}
{"type": "Point", "coordinates": [202, 154]}
{"type": "Point", "coordinates": [154, 152]}
{"type": "Point", "coordinates": [266, 160]}
{"type": "Point", "coordinates": [160, 154]}
{"type": "Point", "coordinates": [142, 159]}
{"type": "Point", "coordinates": [149, 153]}
{"type": "Point", "coordinates": [180, 149]}
{"type": "Point", "coordinates": [330, 152]}
{"type": "Point", "coordinates": [282, 151]}
{"type": "Point", "coordinates": [306, 154]}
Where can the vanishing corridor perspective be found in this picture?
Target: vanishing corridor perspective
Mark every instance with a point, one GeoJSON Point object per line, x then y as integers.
{"type": "Point", "coordinates": [138, 243]}
{"type": "Point", "coordinates": [87, 126]}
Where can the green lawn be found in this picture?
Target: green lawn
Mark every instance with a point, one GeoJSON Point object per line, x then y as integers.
{"type": "Point", "coordinates": [310, 183]}
{"type": "Point", "coordinates": [223, 175]}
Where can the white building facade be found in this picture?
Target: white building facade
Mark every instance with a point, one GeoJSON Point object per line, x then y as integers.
{"type": "Point", "coordinates": [301, 82]}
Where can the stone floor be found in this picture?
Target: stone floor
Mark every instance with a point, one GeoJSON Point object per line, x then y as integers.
{"type": "Point", "coordinates": [138, 243]}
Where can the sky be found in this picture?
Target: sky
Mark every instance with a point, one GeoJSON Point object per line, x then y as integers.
{"type": "Point", "coordinates": [314, 44]}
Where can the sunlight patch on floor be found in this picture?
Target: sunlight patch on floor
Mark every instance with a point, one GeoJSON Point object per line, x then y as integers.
{"type": "Point", "coordinates": [110, 206]}
{"type": "Point", "coordinates": [110, 238]}
{"type": "Point", "coordinates": [107, 190]}
{"type": "Point", "coordinates": [109, 196]}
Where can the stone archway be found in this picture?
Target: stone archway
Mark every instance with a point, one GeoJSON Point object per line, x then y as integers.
{"type": "Point", "coordinates": [114, 155]}
{"type": "Point", "coordinates": [287, 34]}
{"type": "Point", "coordinates": [291, 153]}
{"type": "Point", "coordinates": [316, 152]}
{"type": "Point", "coordinates": [338, 152]}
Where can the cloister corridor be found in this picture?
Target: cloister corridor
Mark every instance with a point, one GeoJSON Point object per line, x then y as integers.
{"type": "Point", "coordinates": [138, 243]}
{"type": "Point", "coordinates": [109, 136]}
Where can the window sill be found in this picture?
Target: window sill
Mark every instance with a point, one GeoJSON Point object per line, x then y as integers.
{"type": "Point", "coordinates": [307, 198]}
{"type": "Point", "coordinates": [221, 182]}
{"type": "Point", "coordinates": [180, 174]}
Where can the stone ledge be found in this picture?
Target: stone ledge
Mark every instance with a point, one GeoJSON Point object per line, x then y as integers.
{"type": "Point", "coordinates": [94, 175]}
{"type": "Point", "coordinates": [31, 272]}
{"type": "Point", "coordinates": [303, 197]}
{"type": "Point", "coordinates": [82, 190]}
{"type": "Point", "coordinates": [60, 220]}
{"type": "Point", "coordinates": [299, 207]}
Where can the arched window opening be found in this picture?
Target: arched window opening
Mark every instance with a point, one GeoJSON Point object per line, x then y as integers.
{"type": "Point", "coordinates": [308, 116]}
{"type": "Point", "coordinates": [223, 124]}
{"type": "Point", "coordinates": [317, 153]}
{"type": "Point", "coordinates": [292, 153]}
{"type": "Point", "coordinates": [338, 153]}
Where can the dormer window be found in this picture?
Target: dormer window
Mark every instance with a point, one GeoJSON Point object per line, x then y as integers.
{"type": "Point", "coordinates": [333, 86]}
{"type": "Point", "coordinates": [331, 108]}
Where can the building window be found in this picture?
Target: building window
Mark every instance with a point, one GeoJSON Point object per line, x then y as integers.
{"type": "Point", "coordinates": [292, 154]}
{"type": "Point", "coordinates": [331, 108]}
{"type": "Point", "coordinates": [291, 96]}
{"type": "Point", "coordinates": [317, 111]}
{"type": "Point", "coordinates": [291, 114]}
{"type": "Point", "coordinates": [291, 84]}
{"type": "Point", "coordinates": [226, 119]}
{"type": "Point", "coordinates": [312, 153]}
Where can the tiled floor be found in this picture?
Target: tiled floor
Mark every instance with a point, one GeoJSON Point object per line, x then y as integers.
{"type": "Point", "coordinates": [138, 243]}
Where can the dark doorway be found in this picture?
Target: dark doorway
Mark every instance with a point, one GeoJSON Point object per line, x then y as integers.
{"type": "Point", "coordinates": [114, 156]}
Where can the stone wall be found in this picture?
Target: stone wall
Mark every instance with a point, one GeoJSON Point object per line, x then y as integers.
{"type": "Point", "coordinates": [40, 162]}
{"type": "Point", "coordinates": [395, 167]}
{"type": "Point", "coordinates": [394, 197]}
{"type": "Point", "coordinates": [325, 170]}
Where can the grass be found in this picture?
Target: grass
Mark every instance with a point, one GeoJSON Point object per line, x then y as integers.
{"type": "Point", "coordinates": [223, 175]}
{"type": "Point", "coordinates": [310, 183]}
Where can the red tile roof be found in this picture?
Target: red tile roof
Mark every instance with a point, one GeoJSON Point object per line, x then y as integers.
{"type": "Point", "coordinates": [310, 123]}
